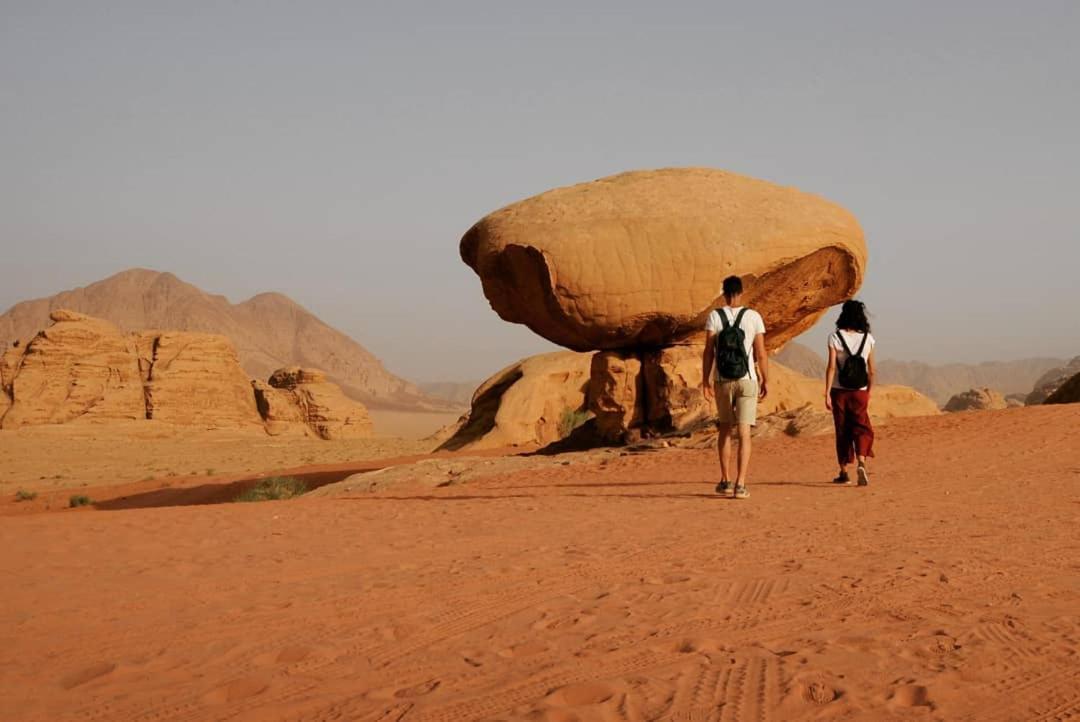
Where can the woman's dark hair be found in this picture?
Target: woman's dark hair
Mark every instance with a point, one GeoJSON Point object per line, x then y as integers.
{"type": "Point", "coordinates": [853, 317]}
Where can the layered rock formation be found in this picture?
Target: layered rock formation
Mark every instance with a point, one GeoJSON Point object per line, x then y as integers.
{"type": "Point", "coordinates": [80, 367]}
{"type": "Point", "coordinates": [269, 331]}
{"type": "Point", "coordinates": [1052, 380]}
{"type": "Point", "coordinates": [637, 259]}
{"type": "Point", "coordinates": [298, 395]}
{"type": "Point", "coordinates": [196, 379]}
{"type": "Point", "coordinates": [977, 400]}
{"type": "Point", "coordinates": [534, 402]}
{"type": "Point", "coordinates": [84, 369]}
{"type": "Point", "coordinates": [1066, 393]}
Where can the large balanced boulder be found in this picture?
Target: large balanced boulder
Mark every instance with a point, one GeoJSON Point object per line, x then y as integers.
{"type": "Point", "coordinates": [301, 396]}
{"type": "Point", "coordinates": [1051, 381]}
{"type": "Point", "coordinates": [196, 379]}
{"type": "Point", "coordinates": [534, 402]}
{"type": "Point", "coordinates": [637, 260]}
{"type": "Point", "coordinates": [78, 368]}
{"type": "Point", "coordinates": [1067, 393]}
{"type": "Point", "coordinates": [977, 400]}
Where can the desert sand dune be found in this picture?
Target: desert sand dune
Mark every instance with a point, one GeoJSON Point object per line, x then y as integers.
{"type": "Point", "coordinates": [617, 590]}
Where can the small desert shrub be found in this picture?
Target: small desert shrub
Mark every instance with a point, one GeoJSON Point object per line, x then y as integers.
{"type": "Point", "coordinates": [274, 487]}
{"type": "Point", "coordinates": [570, 420]}
{"type": "Point", "coordinates": [24, 495]}
{"type": "Point", "coordinates": [79, 500]}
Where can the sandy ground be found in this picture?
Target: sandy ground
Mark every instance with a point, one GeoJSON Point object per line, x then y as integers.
{"type": "Point", "coordinates": [74, 457]}
{"type": "Point", "coordinates": [410, 424]}
{"type": "Point", "coordinates": [616, 590]}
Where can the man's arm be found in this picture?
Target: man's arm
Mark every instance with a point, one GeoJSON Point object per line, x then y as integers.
{"type": "Point", "coordinates": [762, 360]}
{"type": "Point", "coordinates": [707, 359]}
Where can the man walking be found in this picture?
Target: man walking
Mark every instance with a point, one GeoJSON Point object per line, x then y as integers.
{"type": "Point", "coordinates": [734, 345]}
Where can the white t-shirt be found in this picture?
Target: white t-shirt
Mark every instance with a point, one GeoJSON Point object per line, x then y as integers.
{"type": "Point", "coordinates": [752, 325]}
{"type": "Point", "coordinates": [853, 339]}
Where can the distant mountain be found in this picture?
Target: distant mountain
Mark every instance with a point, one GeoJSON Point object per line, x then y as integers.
{"type": "Point", "coordinates": [939, 382]}
{"type": "Point", "coordinates": [454, 392]}
{"type": "Point", "coordinates": [269, 331]}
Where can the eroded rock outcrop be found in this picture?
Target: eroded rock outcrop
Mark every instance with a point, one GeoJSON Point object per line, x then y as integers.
{"type": "Point", "coordinates": [976, 400]}
{"type": "Point", "coordinates": [196, 379]}
{"type": "Point", "coordinates": [537, 401]}
{"type": "Point", "coordinates": [1066, 393]}
{"type": "Point", "coordinates": [637, 259]}
{"type": "Point", "coordinates": [78, 368]}
{"type": "Point", "coordinates": [83, 368]}
{"type": "Point", "coordinates": [304, 397]}
{"type": "Point", "coordinates": [1051, 381]}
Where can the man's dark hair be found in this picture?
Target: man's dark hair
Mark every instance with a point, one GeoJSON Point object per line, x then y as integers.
{"type": "Point", "coordinates": [853, 317]}
{"type": "Point", "coordinates": [732, 286]}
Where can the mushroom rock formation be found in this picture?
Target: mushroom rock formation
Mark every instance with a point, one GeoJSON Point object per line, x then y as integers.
{"type": "Point", "coordinates": [78, 368]}
{"type": "Point", "coordinates": [303, 395]}
{"type": "Point", "coordinates": [534, 402]}
{"type": "Point", "coordinates": [196, 379]}
{"type": "Point", "coordinates": [976, 400]}
{"type": "Point", "coordinates": [636, 260]}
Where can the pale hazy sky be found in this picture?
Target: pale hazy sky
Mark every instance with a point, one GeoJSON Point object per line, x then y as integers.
{"type": "Point", "coordinates": [336, 151]}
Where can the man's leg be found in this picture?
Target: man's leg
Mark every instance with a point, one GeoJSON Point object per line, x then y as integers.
{"type": "Point", "coordinates": [744, 453]}
{"type": "Point", "coordinates": [723, 449]}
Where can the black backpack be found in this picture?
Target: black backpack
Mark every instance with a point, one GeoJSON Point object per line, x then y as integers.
{"type": "Point", "coordinates": [731, 360]}
{"type": "Point", "coordinates": [853, 373]}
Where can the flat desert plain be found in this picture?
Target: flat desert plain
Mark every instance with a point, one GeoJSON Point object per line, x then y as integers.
{"type": "Point", "coordinates": [615, 587]}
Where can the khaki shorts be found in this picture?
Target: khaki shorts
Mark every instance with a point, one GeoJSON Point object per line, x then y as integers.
{"type": "Point", "coordinates": [736, 402]}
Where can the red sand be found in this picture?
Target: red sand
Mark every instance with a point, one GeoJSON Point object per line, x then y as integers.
{"type": "Point", "coordinates": [949, 589]}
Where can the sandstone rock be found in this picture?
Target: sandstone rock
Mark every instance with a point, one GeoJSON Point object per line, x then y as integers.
{"type": "Point", "coordinates": [534, 402]}
{"type": "Point", "coordinates": [1066, 393]}
{"type": "Point", "coordinates": [78, 368]}
{"type": "Point", "coordinates": [195, 378]}
{"type": "Point", "coordinates": [637, 259]}
{"type": "Point", "coordinates": [10, 360]}
{"type": "Point", "coordinates": [616, 393]}
{"type": "Point", "coordinates": [280, 411]}
{"type": "Point", "coordinates": [315, 402]}
{"type": "Point", "coordinates": [1016, 400]}
{"type": "Point", "coordinates": [976, 400]}
{"type": "Point", "coordinates": [1051, 381]}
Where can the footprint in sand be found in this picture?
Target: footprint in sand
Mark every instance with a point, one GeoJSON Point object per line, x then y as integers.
{"type": "Point", "coordinates": [87, 674]}
{"type": "Point", "coordinates": [911, 695]}
{"type": "Point", "coordinates": [580, 695]}
{"type": "Point", "coordinates": [236, 690]}
{"type": "Point", "coordinates": [418, 690]}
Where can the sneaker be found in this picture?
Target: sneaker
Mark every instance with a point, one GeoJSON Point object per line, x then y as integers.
{"type": "Point", "coordinates": [724, 487]}
{"type": "Point", "coordinates": [864, 476]}
{"type": "Point", "coordinates": [843, 478]}
{"type": "Point", "coordinates": [741, 492]}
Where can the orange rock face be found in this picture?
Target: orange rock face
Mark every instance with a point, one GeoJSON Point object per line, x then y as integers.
{"type": "Point", "coordinates": [305, 396]}
{"type": "Point", "coordinates": [78, 368]}
{"type": "Point", "coordinates": [977, 400]}
{"type": "Point", "coordinates": [616, 389]}
{"type": "Point", "coordinates": [637, 259]}
{"type": "Point", "coordinates": [195, 378]}
{"type": "Point", "coordinates": [534, 402]}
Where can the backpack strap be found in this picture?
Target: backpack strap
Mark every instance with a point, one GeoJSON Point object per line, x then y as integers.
{"type": "Point", "coordinates": [862, 345]}
{"type": "Point", "coordinates": [738, 319]}
{"type": "Point", "coordinates": [840, 335]}
{"type": "Point", "coordinates": [723, 318]}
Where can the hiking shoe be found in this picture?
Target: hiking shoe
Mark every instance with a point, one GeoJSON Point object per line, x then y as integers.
{"type": "Point", "coordinates": [724, 487]}
{"type": "Point", "coordinates": [741, 492]}
{"type": "Point", "coordinates": [843, 478]}
{"type": "Point", "coordinates": [864, 476]}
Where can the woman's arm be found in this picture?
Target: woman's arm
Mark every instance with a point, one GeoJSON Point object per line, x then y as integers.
{"type": "Point", "coordinates": [830, 373]}
{"type": "Point", "coordinates": [871, 369]}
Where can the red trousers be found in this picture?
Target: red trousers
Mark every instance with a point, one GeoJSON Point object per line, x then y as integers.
{"type": "Point", "coordinates": [851, 416]}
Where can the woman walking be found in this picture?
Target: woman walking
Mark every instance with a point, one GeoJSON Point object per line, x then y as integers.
{"type": "Point", "coordinates": [848, 380]}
